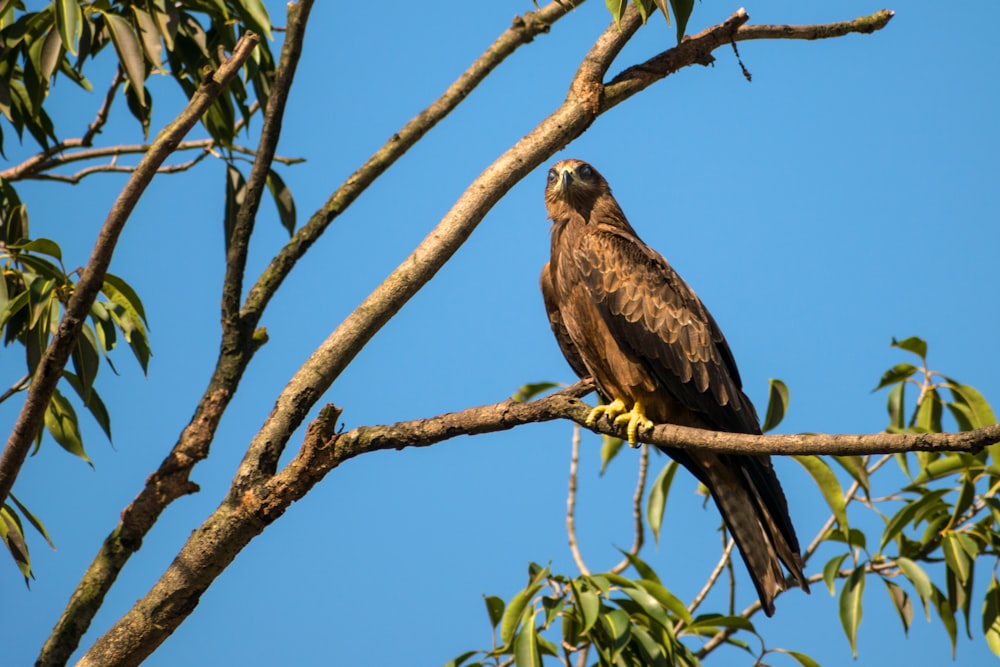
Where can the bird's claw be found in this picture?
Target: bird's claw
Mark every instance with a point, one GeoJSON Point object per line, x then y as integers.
{"type": "Point", "coordinates": [617, 414]}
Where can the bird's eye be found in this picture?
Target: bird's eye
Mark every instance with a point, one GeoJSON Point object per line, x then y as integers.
{"type": "Point", "coordinates": [585, 171]}
{"type": "Point", "coordinates": [553, 175]}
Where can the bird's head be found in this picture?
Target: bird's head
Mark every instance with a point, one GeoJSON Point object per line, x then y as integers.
{"type": "Point", "coordinates": [573, 186]}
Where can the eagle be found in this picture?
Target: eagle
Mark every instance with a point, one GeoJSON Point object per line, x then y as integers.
{"type": "Point", "coordinates": [622, 316]}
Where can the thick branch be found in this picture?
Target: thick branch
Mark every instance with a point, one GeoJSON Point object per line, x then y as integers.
{"type": "Point", "coordinates": [43, 385]}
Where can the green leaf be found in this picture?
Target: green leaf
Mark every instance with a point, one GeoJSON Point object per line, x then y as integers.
{"type": "Point", "coordinates": [255, 14]}
{"type": "Point", "coordinates": [130, 56]}
{"type": "Point", "coordinates": [617, 9]}
{"type": "Point", "coordinates": [714, 621]}
{"type": "Point", "coordinates": [777, 404]}
{"type": "Point", "coordinates": [682, 12]}
{"type": "Point", "coordinates": [86, 359]}
{"type": "Point", "coordinates": [494, 608]}
{"type": "Point", "coordinates": [650, 605]}
{"type": "Point", "coordinates": [526, 652]}
{"type": "Point", "coordinates": [896, 374]}
{"type": "Point", "coordinates": [666, 599]}
{"type": "Point", "coordinates": [62, 424]}
{"type": "Point", "coordinates": [979, 412]}
{"type": "Point", "coordinates": [991, 616]}
{"type": "Point", "coordinates": [850, 606]}
{"type": "Point", "coordinates": [610, 446]}
{"type": "Point", "coordinates": [140, 105]}
{"type": "Point", "coordinates": [515, 610]}
{"type": "Point", "coordinates": [901, 601]}
{"type": "Point", "coordinates": [52, 51]}
{"type": "Point", "coordinates": [828, 485]}
{"type": "Point", "coordinates": [645, 7]}
{"type": "Point", "coordinates": [897, 407]}
{"type": "Point", "coordinates": [92, 402]}
{"type": "Point", "coordinates": [33, 520]}
{"type": "Point", "coordinates": [528, 391]}
{"type": "Point", "coordinates": [909, 513]}
{"type": "Point", "coordinates": [830, 571]}
{"type": "Point", "coordinates": [929, 412]}
{"type": "Point", "coordinates": [921, 582]}
{"type": "Point", "coordinates": [457, 662]}
{"type": "Point", "coordinates": [43, 246]}
{"type": "Point", "coordinates": [589, 604]}
{"type": "Point", "coordinates": [912, 344]}
{"type": "Point", "coordinates": [644, 570]}
{"type": "Point", "coordinates": [283, 200]}
{"type": "Point", "coordinates": [122, 293]}
{"type": "Point", "coordinates": [616, 625]}
{"type": "Point", "coordinates": [69, 19]}
{"type": "Point", "coordinates": [800, 658]}
{"type": "Point", "coordinates": [150, 35]}
{"type": "Point", "coordinates": [856, 468]}
{"type": "Point", "coordinates": [653, 655]}
{"type": "Point", "coordinates": [947, 615]}
{"type": "Point", "coordinates": [657, 503]}
{"type": "Point", "coordinates": [236, 192]}
{"type": "Point", "coordinates": [956, 555]}
{"type": "Point", "coordinates": [13, 538]}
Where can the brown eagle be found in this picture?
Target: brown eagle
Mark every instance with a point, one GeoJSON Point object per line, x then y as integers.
{"type": "Point", "coordinates": [625, 318]}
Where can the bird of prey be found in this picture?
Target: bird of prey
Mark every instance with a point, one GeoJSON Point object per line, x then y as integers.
{"type": "Point", "coordinates": [623, 316]}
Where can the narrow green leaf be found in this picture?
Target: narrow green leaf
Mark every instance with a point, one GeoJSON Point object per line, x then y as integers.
{"type": "Point", "coordinates": [921, 582]}
{"type": "Point", "coordinates": [643, 568]}
{"type": "Point", "coordinates": [610, 447]}
{"type": "Point", "coordinates": [526, 652]}
{"type": "Point", "coordinates": [912, 344]}
{"type": "Point", "coordinates": [528, 391]}
{"type": "Point", "coordinates": [682, 12]}
{"type": "Point", "coordinates": [666, 599]}
{"type": "Point", "coordinates": [515, 610]}
{"type": "Point", "coordinates": [653, 654]}
{"type": "Point", "coordinates": [119, 291]}
{"type": "Point", "coordinates": [43, 246]}
{"type": "Point", "coordinates": [909, 513]}
{"type": "Point", "coordinates": [92, 402]}
{"type": "Point", "coordinates": [86, 358]}
{"type": "Point", "coordinates": [830, 571]}
{"type": "Point", "coordinates": [895, 375]}
{"type": "Point", "coordinates": [656, 505]}
{"type": "Point", "coordinates": [777, 404]}
{"type": "Point", "coordinates": [991, 616]}
{"type": "Point", "coordinates": [800, 658]}
{"type": "Point", "coordinates": [650, 605]}
{"type": "Point", "coordinates": [644, 7]}
{"type": "Point", "coordinates": [617, 9]}
{"type": "Point", "coordinates": [897, 407]}
{"type": "Point", "coordinates": [979, 410]}
{"type": "Point", "coordinates": [901, 601]}
{"type": "Point", "coordinates": [33, 520]}
{"type": "Point", "coordinates": [256, 16]}
{"type": "Point", "coordinates": [236, 190]}
{"type": "Point", "coordinates": [828, 485]}
{"type": "Point", "coordinates": [13, 538]}
{"type": "Point", "coordinates": [709, 621]}
{"type": "Point", "coordinates": [140, 105]}
{"type": "Point", "coordinates": [947, 615]}
{"type": "Point", "coordinates": [126, 44]}
{"type": "Point", "coordinates": [69, 19]}
{"type": "Point", "coordinates": [956, 555]}
{"type": "Point", "coordinates": [62, 424]}
{"type": "Point", "coordinates": [856, 468]}
{"type": "Point", "coordinates": [457, 662]}
{"type": "Point", "coordinates": [283, 200]}
{"type": "Point", "coordinates": [589, 604]}
{"type": "Point", "coordinates": [150, 35]}
{"type": "Point", "coordinates": [494, 608]}
{"type": "Point", "coordinates": [929, 412]}
{"type": "Point", "coordinates": [850, 606]}
{"type": "Point", "coordinates": [52, 51]}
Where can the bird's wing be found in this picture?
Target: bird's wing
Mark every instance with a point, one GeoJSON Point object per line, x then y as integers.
{"type": "Point", "coordinates": [653, 313]}
{"type": "Point", "coordinates": [559, 327]}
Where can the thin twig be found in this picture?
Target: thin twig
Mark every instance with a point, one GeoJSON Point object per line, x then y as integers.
{"type": "Point", "coordinates": [574, 461]}
{"type": "Point", "coordinates": [640, 532]}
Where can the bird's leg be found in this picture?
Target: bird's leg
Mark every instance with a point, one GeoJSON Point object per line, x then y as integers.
{"type": "Point", "coordinates": [635, 418]}
{"type": "Point", "coordinates": [612, 410]}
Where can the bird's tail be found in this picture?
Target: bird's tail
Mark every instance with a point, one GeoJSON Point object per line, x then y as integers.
{"type": "Point", "coordinates": [753, 506]}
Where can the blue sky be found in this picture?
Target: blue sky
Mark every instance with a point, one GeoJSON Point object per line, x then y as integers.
{"type": "Point", "coordinates": [847, 195]}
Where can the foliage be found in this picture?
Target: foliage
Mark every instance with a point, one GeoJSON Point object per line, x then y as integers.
{"type": "Point", "coordinates": [183, 40]}
{"type": "Point", "coordinates": [934, 524]}
{"type": "Point", "coordinates": [681, 10]}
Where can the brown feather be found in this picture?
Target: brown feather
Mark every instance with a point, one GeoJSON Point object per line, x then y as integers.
{"type": "Point", "coordinates": [622, 315]}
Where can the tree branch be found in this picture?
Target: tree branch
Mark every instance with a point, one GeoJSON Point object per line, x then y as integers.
{"type": "Point", "coordinates": [259, 495]}
{"type": "Point", "coordinates": [574, 461]}
{"type": "Point", "coordinates": [87, 598]}
{"type": "Point", "coordinates": [640, 528]}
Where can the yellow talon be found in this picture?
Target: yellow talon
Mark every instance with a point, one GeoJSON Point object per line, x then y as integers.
{"type": "Point", "coordinates": [612, 410]}
{"type": "Point", "coordinates": [616, 412]}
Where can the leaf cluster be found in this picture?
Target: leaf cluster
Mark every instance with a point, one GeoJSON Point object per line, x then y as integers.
{"type": "Point", "coordinates": [34, 290]}
{"type": "Point", "coordinates": [930, 534]}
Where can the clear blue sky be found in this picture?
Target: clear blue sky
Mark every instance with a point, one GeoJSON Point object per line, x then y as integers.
{"type": "Point", "coordinates": [846, 196]}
